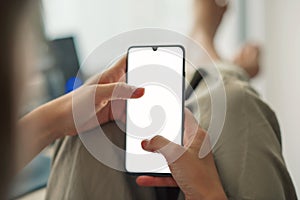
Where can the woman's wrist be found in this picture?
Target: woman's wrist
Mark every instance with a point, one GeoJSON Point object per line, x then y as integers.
{"type": "Point", "coordinates": [45, 121]}
{"type": "Point", "coordinates": [49, 122]}
{"type": "Point", "coordinates": [53, 119]}
{"type": "Point", "coordinates": [41, 123]}
{"type": "Point", "coordinates": [205, 193]}
{"type": "Point", "coordinates": [36, 131]}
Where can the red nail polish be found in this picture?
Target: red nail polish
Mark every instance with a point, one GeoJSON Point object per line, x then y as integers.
{"type": "Point", "coordinates": [144, 143]}
{"type": "Point", "coordinates": [138, 93]}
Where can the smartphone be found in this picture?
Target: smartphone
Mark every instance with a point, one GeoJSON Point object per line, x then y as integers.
{"type": "Point", "coordinates": [160, 69]}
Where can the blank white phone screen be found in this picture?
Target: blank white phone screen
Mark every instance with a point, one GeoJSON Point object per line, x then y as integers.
{"type": "Point", "coordinates": [160, 111]}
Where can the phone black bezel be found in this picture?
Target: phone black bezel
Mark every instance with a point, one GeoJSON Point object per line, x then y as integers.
{"type": "Point", "coordinates": [183, 100]}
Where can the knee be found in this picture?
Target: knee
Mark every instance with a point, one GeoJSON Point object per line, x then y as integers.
{"type": "Point", "coordinates": [238, 93]}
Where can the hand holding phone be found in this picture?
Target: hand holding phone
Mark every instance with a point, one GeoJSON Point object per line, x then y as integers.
{"type": "Point", "coordinates": [196, 177]}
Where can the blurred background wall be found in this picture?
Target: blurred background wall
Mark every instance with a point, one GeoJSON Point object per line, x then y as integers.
{"type": "Point", "coordinates": [282, 75]}
{"type": "Point", "coordinates": [271, 23]}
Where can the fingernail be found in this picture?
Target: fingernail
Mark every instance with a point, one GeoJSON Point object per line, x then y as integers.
{"type": "Point", "coordinates": [138, 93]}
{"type": "Point", "coordinates": [145, 143]}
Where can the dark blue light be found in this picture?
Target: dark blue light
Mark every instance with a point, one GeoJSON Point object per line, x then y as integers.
{"type": "Point", "coordinates": [72, 84]}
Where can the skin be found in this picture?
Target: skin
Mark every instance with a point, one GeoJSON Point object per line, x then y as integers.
{"type": "Point", "coordinates": [197, 177]}
{"type": "Point", "coordinates": [208, 15]}
{"type": "Point", "coordinates": [54, 120]}
{"type": "Point", "coordinates": [248, 58]}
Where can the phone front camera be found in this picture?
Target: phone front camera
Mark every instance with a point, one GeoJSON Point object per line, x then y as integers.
{"type": "Point", "coordinates": [154, 48]}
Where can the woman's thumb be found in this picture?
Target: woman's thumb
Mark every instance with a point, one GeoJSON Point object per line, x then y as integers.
{"type": "Point", "coordinates": [168, 149]}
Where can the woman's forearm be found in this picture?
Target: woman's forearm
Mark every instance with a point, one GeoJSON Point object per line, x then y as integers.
{"type": "Point", "coordinates": [54, 120]}
{"type": "Point", "coordinates": [36, 130]}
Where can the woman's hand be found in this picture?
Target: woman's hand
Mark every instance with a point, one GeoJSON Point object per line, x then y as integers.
{"type": "Point", "coordinates": [87, 107]}
{"type": "Point", "coordinates": [197, 177]}
{"type": "Point", "coordinates": [101, 90]}
{"type": "Point", "coordinates": [55, 119]}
